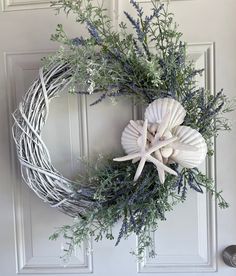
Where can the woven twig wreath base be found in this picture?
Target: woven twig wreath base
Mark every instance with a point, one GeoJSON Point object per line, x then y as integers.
{"type": "Point", "coordinates": [36, 168]}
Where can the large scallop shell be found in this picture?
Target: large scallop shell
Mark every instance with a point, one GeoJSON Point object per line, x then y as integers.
{"type": "Point", "coordinates": [131, 136]}
{"type": "Point", "coordinates": [191, 137]}
{"type": "Point", "coordinates": [158, 109]}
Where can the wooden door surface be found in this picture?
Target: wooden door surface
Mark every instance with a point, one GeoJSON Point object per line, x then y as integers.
{"type": "Point", "coordinates": [195, 233]}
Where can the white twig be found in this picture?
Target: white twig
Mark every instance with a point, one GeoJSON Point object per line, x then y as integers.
{"type": "Point", "coordinates": [36, 168]}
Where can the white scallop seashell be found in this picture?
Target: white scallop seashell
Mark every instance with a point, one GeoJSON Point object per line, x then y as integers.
{"type": "Point", "coordinates": [158, 109]}
{"type": "Point", "coordinates": [130, 139]}
{"type": "Point", "coordinates": [189, 137]}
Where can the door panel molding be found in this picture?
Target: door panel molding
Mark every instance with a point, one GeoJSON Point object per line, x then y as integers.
{"type": "Point", "coordinates": [16, 5]}
{"type": "Point", "coordinates": [18, 65]}
{"type": "Point", "coordinates": [204, 260]}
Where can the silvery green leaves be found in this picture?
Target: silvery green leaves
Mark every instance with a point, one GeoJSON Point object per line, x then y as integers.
{"type": "Point", "coordinates": [124, 62]}
{"type": "Point", "coordinates": [147, 63]}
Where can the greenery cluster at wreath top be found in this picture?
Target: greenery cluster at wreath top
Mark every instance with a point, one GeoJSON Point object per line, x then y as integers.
{"type": "Point", "coordinates": [146, 64]}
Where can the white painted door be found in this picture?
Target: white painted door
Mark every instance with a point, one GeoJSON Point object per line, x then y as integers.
{"type": "Point", "coordinates": [192, 239]}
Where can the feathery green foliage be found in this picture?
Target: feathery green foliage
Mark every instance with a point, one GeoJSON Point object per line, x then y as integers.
{"type": "Point", "coordinates": [147, 64]}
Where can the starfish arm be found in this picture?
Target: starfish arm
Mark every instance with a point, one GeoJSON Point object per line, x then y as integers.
{"type": "Point", "coordinates": [140, 168]}
{"type": "Point", "coordinates": [127, 157]}
{"type": "Point", "coordinates": [161, 174]}
{"type": "Point", "coordinates": [161, 144]}
{"type": "Point", "coordinates": [135, 160]}
{"type": "Point", "coordinates": [182, 146]}
{"type": "Point", "coordinates": [160, 165]}
{"type": "Point", "coordinates": [144, 136]}
{"type": "Point", "coordinates": [140, 130]}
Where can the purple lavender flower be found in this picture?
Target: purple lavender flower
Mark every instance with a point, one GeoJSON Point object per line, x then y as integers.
{"type": "Point", "coordinates": [137, 7]}
{"type": "Point", "coordinates": [78, 41]}
{"type": "Point", "coordinates": [93, 32]}
{"type": "Point", "coordinates": [136, 25]}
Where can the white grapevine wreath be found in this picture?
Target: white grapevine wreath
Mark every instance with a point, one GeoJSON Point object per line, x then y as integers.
{"type": "Point", "coordinates": [37, 170]}
{"type": "Point", "coordinates": [166, 147]}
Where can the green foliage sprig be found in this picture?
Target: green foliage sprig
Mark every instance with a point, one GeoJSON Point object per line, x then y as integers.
{"type": "Point", "coordinates": [137, 206]}
{"type": "Point", "coordinates": [147, 64]}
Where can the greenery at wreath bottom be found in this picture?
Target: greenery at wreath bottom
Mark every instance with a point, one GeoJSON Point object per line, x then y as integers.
{"type": "Point", "coordinates": [139, 206]}
{"type": "Point", "coordinates": [147, 64]}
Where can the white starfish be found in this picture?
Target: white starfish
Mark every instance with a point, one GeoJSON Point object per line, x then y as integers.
{"type": "Point", "coordinates": [162, 130]}
{"type": "Point", "coordinates": [145, 155]}
{"type": "Point", "coordinates": [153, 140]}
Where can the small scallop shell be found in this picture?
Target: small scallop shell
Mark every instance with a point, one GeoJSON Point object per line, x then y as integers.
{"type": "Point", "coordinates": [191, 137]}
{"type": "Point", "coordinates": [157, 110]}
{"type": "Point", "coordinates": [130, 137]}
